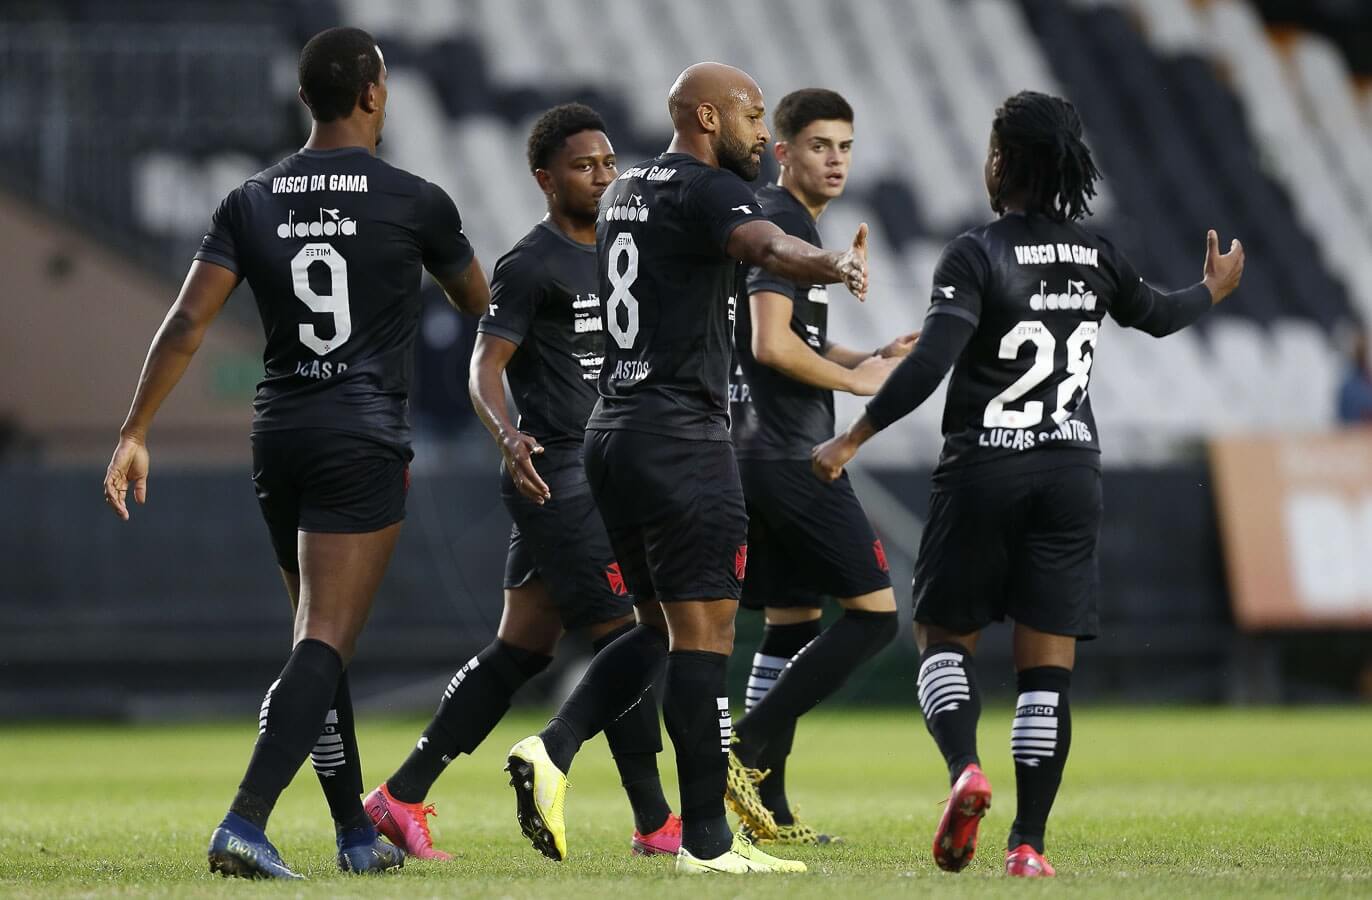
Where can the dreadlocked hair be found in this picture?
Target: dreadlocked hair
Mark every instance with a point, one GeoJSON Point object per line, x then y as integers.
{"type": "Point", "coordinates": [1043, 156]}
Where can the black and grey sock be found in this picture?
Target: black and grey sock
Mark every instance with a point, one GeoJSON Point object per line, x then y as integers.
{"type": "Point", "coordinates": [337, 763]}
{"type": "Point", "coordinates": [951, 704]}
{"type": "Point", "coordinates": [615, 680]}
{"type": "Point", "coordinates": [288, 725]}
{"type": "Point", "coordinates": [1039, 740]}
{"type": "Point", "coordinates": [812, 675]}
{"type": "Point", "coordinates": [779, 643]}
{"type": "Point", "coordinates": [696, 710]}
{"type": "Point", "coordinates": [476, 699]}
{"type": "Point", "coordinates": [635, 740]}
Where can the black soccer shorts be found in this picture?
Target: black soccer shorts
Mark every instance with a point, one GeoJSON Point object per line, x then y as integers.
{"type": "Point", "coordinates": [333, 482]}
{"type": "Point", "coordinates": [1021, 545]}
{"type": "Point", "coordinates": [674, 512]}
{"type": "Point", "coordinates": [563, 543]}
{"type": "Point", "coordinates": [807, 539]}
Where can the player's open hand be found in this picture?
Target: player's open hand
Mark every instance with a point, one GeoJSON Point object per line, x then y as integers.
{"type": "Point", "coordinates": [828, 459]}
{"type": "Point", "coordinates": [901, 346]}
{"type": "Point", "coordinates": [519, 449]}
{"type": "Point", "coordinates": [1222, 271]}
{"type": "Point", "coordinates": [128, 466]}
{"type": "Point", "coordinates": [852, 265]}
{"type": "Point", "coordinates": [868, 376]}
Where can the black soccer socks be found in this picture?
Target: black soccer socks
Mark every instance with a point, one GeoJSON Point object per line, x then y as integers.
{"type": "Point", "coordinates": [779, 643]}
{"type": "Point", "coordinates": [635, 741]}
{"type": "Point", "coordinates": [288, 726]}
{"type": "Point", "coordinates": [815, 673]}
{"type": "Point", "coordinates": [473, 703]}
{"type": "Point", "coordinates": [337, 763]}
{"type": "Point", "coordinates": [615, 680]}
{"type": "Point", "coordinates": [696, 710]}
{"type": "Point", "coordinates": [949, 699]}
{"type": "Point", "coordinates": [1039, 740]}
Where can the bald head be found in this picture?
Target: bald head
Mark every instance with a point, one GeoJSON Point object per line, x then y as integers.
{"type": "Point", "coordinates": [713, 84]}
{"type": "Point", "coordinates": [720, 107]}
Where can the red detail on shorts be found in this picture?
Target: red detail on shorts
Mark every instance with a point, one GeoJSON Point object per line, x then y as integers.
{"type": "Point", "coordinates": [741, 561]}
{"type": "Point", "coordinates": [616, 579]}
{"type": "Point", "coordinates": [407, 479]}
{"type": "Point", "coordinates": [880, 553]}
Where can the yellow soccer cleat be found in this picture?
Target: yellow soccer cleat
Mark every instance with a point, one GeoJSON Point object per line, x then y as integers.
{"type": "Point", "coordinates": [795, 834]}
{"type": "Point", "coordinates": [740, 859]}
{"type": "Point", "coordinates": [740, 792]}
{"type": "Point", "coordinates": [540, 792]}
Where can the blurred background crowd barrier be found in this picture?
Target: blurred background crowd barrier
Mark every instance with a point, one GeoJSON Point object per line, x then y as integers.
{"type": "Point", "coordinates": [1237, 551]}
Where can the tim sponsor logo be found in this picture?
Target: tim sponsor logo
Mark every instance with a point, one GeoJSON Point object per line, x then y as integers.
{"type": "Point", "coordinates": [334, 224]}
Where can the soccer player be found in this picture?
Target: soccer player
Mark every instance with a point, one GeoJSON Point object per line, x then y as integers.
{"type": "Point", "coordinates": [331, 240]}
{"type": "Point", "coordinates": [658, 458]}
{"type": "Point", "coordinates": [544, 330]}
{"type": "Point", "coordinates": [1016, 501]}
{"type": "Point", "coordinates": [806, 539]}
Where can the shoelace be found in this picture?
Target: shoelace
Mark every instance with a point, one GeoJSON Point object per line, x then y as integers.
{"type": "Point", "coordinates": [421, 819]}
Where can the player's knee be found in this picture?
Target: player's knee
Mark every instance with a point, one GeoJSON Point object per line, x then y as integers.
{"type": "Point", "coordinates": [878, 628]}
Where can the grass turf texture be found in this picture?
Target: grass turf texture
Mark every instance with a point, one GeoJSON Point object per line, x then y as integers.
{"type": "Point", "coordinates": [1157, 803]}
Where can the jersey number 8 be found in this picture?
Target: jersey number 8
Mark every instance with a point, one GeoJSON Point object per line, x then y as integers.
{"type": "Point", "coordinates": [620, 282]}
{"type": "Point", "coordinates": [1078, 374]}
{"type": "Point", "coordinates": [335, 303]}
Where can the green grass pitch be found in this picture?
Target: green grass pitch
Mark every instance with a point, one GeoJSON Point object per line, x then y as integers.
{"type": "Point", "coordinates": [1156, 803]}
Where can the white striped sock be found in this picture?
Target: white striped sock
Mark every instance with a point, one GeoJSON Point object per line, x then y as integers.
{"type": "Point", "coordinates": [942, 684]}
{"type": "Point", "coordinates": [461, 676]}
{"type": "Point", "coordinates": [265, 708]}
{"type": "Point", "coordinates": [766, 671]}
{"type": "Point", "coordinates": [726, 723]}
{"type": "Point", "coordinates": [328, 754]}
{"type": "Point", "coordinates": [1034, 733]}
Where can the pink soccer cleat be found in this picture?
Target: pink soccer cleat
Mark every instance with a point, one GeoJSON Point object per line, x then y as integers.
{"type": "Point", "coordinates": [1026, 862]}
{"type": "Point", "coordinates": [405, 824]}
{"type": "Point", "coordinates": [955, 841]}
{"type": "Point", "coordinates": [666, 840]}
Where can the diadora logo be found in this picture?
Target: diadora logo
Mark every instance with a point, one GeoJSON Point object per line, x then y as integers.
{"type": "Point", "coordinates": [946, 290]}
{"type": "Point", "coordinates": [320, 228]}
{"type": "Point", "coordinates": [1075, 297]}
{"type": "Point", "coordinates": [745, 209]}
{"type": "Point", "coordinates": [635, 210]}
{"type": "Point", "coordinates": [616, 579]}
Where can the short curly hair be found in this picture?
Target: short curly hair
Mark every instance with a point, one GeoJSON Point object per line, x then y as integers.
{"type": "Point", "coordinates": [553, 128]}
{"type": "Point", "coordinates": [335, 68]}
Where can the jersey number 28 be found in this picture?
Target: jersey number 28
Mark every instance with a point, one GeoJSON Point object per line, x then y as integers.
{"type": "Point", "coordinates": [1080, 354]}
{"type": "Point", "coordinates": [335, 303]}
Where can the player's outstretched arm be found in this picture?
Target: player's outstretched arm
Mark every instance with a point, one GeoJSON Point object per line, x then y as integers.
{"type": "Point", "coordinates": [847, 356]}
{"type": "Point", "coordinates": [776, 346]}
{"type": "Point", "coordinates": [1161, 313]}
{"type": "Point", "coordinates": [203, 294]}
{"type": "Point", "coordinates": [763, 243]}
{"type": "Point", "coordinates": [467, 289]}
{"type": "Point", "coordinates": [487, 389]}
{"type": "Point", "coordinates": [916, 377]}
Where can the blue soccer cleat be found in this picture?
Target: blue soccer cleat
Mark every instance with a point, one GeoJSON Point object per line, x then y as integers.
{"type": "Point", "coordinates": [363, 851]}
{"type": "Point", "coordinates": [240, 849]}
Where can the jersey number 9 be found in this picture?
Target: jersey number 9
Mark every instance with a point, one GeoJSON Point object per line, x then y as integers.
{"type": "Point", "coordinates": [335, 303]}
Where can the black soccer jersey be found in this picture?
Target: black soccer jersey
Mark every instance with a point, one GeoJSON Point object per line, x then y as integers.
{"type": "Point", "coordinates": [543, 298]}
{"type": "Point", "coordinates": [332, 242]}
{"type": "Point", "coordinates": [775, 416]}
{"type": "Point", "coordinates": [1035, 291]}
{"type": "Point", "coordinates": [669, 292]}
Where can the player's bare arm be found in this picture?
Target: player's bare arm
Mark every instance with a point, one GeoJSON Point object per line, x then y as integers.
{"type": "Point", "coordinates": [203, 294]}
{"type": "Point", "coordinates": [852, 358]}
{"type": "Point", "coordinates": [764, 244]}
{"type": "Point", "coordinates": [467, 290]}
{"type": "Point", "coordinates": [776, 346]}
{"type": "Point", "coordinates": [487, 389]}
